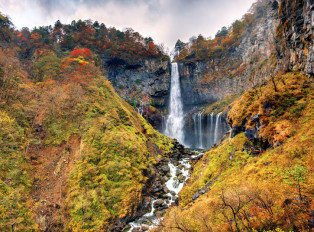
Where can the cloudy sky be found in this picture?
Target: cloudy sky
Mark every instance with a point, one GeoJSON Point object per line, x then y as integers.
{"type": "Point", "coordinates": [164, 20]}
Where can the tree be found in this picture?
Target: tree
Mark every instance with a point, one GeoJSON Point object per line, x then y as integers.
{"type": "Point", "coordinates": [234, 201]}
{"type": "Point", "coordinates": [179, 46]}
{"type": "Point", "coordinates": [148, 40]}
{"type": "Point", "coordinates": [296, 177]}
{"type": "Point", "coordinates": [223, 32]}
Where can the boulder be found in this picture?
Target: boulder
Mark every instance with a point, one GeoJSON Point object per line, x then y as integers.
{"type": "Point", "coordinates": [236, 130]}
{"type": "Point", "coordinates": [195, 196]}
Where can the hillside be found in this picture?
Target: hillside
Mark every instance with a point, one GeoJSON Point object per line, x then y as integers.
{"type": "Point", "coordinates": [259, 74]}
{"type": "Point", "coordinates": [74, 155]}
{"type": "Point", "coordinates": [262, 178]}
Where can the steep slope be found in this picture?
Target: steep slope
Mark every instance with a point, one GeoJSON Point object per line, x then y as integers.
{"type": "Point", "coordinates": [74, 155]}
{"type": "Point", "coordinates": [261, 179]}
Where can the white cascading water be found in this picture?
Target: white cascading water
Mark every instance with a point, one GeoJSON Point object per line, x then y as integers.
{"type": "Point", "coordinates": [200, 130]}
{"type": "Point", "coordinates": [175, 120]}
{"type": "Point", "coordinates": [212, 124]}
{"type": "Point", "coordinates": [174, 185]}
{"type": "Point", "coordinates": [217, 126]}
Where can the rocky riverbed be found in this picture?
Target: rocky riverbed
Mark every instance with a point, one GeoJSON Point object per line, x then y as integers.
{"type": "Point", "coordinates": [173, 171]}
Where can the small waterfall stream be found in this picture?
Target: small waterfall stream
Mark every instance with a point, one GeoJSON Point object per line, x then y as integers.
{"type": "Point", "coordinates": [200, 130]}
{"type": "Point", "coordinates": [217, 126]}
{"type": "Point", "coordinates": [174, 185]}
{"type": "Point", "coordinates": [206, 130]}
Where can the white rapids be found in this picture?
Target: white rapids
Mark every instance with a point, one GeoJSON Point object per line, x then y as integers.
{"type": "Point", "coordinates": [150, 220]}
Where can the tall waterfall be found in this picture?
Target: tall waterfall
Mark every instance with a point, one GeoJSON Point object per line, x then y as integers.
{"type": "Point", "coordinates": [175, 120]}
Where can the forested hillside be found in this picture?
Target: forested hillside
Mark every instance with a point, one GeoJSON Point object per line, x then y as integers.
{"type": "Point", "coordinates": [74, 155]}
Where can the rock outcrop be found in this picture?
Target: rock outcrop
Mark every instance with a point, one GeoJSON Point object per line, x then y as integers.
{"type": "Point", "coordinates": [143, 83]}
{"type": "Point", "coordinates": [295, 36]}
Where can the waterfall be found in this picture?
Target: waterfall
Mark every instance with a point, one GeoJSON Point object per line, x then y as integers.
{"type": "Point", "coordinates": [195, 129]}
{"type": "Point", "coordinates": [163, 123]}
{"type": "Point", "coordinates": [211, 127]}
{"type": "Point", "coordinates": [140, 110]}
{"type": "Point", "coordinates": [217, 127]}
{"type": "Point", "coordinates": [175, 121]}
{"type": "Point", "coordinates": [200, 141]}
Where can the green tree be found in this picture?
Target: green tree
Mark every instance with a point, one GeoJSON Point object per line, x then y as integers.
{"type": "Point", "coordinates": [179, 46]}
{"type": "Point", "coordinates": [296, 177]}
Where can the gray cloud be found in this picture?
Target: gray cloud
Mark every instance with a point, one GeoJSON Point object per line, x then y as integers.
{"type": "Point", "coordinates": [164, 20]}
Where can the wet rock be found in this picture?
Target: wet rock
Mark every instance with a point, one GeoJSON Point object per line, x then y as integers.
{"type": "Point", "coordinates": [255, 118]}
{"type": "Point", "coordinates": [144, 228]}
{"type": "Point", "coordinates": [158, 203]}
{"type": "Point", "coordinates": [178, 172]}
{"type": "Point", "coordinates": [202, 191]}
{"type": "Point", "coordinates": [250, 133]}
{"type": "Point", "coordinates": [195, 196]}
{"type": "Point", "coordinates": [165, 189]}
{"type": "Point", "coordinates": [165, 169]}
{"type": "Point", "coordinates": [160, 213]}
{"type": "Point", "coordinates": [157, 188]}
{"type": "Point", "coordinates": [236, 130]}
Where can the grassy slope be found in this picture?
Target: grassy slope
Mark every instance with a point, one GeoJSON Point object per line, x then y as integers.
{"type": "Point", "coordinates": [256, 187]}
{"type": "Point", "coordinates": [106, 183]}
{"type": "Point", "coordinates": [74, 155]}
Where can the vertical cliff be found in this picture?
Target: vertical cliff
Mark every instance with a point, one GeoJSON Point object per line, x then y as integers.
{"type": "Point", "coordinates": [274, 36]}
{"type": "Point", "coordinates": [295, 36]}
{"type": "Point", "coordinates": [142, 83]}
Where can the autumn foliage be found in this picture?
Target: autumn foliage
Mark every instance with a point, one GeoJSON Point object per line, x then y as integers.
{"type": "Point", "coordinates": [85, 52]}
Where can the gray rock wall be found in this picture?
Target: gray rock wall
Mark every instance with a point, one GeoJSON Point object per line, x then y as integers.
{"type": "Point", "coordinates": [136, 84]}
{"type": "Point", "coordinates": [281, 39]}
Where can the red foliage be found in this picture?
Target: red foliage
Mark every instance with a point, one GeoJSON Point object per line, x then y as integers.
{"type": "Point", "coordinates": [85, 52]}
{"type": "Point", "coordinates": [151, 46]}
{"type": "Point", "coordinates": [35, 36]}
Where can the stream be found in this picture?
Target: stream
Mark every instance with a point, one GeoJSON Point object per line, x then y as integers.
{"type": "Point", "coordinates": [179, 174]}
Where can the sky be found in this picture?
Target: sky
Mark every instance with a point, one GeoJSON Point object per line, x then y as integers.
{"type": "Point", "coordinates": [165, 21]}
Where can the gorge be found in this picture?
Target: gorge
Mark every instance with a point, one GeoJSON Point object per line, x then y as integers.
{"type": "Point", "coordinates": [100, 130]}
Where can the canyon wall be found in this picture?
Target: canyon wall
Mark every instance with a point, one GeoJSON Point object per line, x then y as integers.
{"type": "Point", "coordinates": [143, 83]}
{"type": "Point", "coordinates": [280, 38]}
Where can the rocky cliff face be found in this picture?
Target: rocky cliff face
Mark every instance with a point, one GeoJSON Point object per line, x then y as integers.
{"type": "Point", "coordinates": [280, 38]}
{"type": "Point", "coordinates": [295, 36]}
{"type": "Point", "coordinates": [147, 82]}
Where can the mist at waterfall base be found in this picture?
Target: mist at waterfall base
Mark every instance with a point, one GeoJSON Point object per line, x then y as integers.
{"type": "Point", "coordinates": [205, 130]}
{"type": "Point", "coordinates": [202, 131]}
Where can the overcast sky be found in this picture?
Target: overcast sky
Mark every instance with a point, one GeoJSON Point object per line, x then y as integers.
{"type": "Point", "coordinates": [164, 20]}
